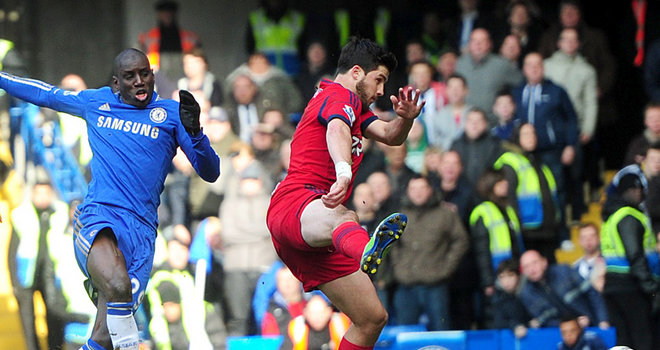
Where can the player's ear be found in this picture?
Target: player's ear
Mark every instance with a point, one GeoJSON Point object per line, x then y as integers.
{"type": "Point", "coordinates": [115, 84]}
{"type": "Point", "coordinates": [357, 72]}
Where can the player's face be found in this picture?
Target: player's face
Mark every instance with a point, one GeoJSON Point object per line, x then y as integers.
{"type": "Point", "coordinates": [135, 80]}
{"type": "Point", "coordinates": [372, 86]}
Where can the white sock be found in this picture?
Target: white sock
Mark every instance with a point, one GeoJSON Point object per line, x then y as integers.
{"type": "Point", "coordinates": [121, 326]}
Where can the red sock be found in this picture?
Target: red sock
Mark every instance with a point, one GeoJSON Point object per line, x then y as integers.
{"type": "Point", "coordinates": [346, 345]}
{"type": "Point", "coordinates": [350, 239]}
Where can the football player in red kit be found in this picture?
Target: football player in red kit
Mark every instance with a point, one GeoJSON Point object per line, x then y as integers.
{"type": "Point", "coordinates": [314, 234]}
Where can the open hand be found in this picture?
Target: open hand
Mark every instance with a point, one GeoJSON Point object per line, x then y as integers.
{"type": "Point", "coordinates": [405, 106]}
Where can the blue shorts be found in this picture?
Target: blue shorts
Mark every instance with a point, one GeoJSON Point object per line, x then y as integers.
{"type": "Point", "coordinates": [135, 240]}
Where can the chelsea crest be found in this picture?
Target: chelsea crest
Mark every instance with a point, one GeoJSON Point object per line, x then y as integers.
{"type": "Point", "coordinates": [158, 115]}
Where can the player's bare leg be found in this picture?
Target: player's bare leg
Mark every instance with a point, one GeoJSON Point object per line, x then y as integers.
{"type": "Point", "coordinates": [356, 296]}
{"type": "Point", "coordinates": [318, 222]}
{"type": "Point", "coordinates": [109, 276]}
{"type": "Point", "coordinates": [353, 294]}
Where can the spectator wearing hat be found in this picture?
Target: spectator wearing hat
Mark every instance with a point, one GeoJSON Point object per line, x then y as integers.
{"type": "Point", "coordinates": [628, 245]}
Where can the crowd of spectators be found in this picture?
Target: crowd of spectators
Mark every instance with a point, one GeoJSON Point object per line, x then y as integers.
{"type": "Point", "coordinates": [492, 178]}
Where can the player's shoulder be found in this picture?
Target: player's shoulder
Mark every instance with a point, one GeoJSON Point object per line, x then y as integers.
{"type": "Point", "coordinates": [166, 103]}
{"type": "Point", "coordinates": [104, 92]}
{"type": "Point", "coordinates": [339, 94]}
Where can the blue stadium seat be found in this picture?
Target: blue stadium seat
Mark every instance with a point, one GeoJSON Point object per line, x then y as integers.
{"type": "Point", "coordinates": [608, 335]}
{"type": "Point", "coordinates": [483, 339]}
{"type": "Point", "coordinates": [387, 339]}
{"type": "Point", "coordinates": [254, 342]}
{"type": "Point", "coordinates": [451, 340]}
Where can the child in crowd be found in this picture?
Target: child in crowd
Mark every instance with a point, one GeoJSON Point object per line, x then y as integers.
{"type": "Point", "coordinates": [508, 310]}
{"type": "Point", "coordinates": [504, 108]}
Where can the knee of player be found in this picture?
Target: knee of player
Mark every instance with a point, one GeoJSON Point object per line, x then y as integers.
{"type": "Point", "coordinates": [372, 322]}
{"type": "Point", "coordinates": [348, 215]}
{"type": "Point", "coordinates": [118, 288]}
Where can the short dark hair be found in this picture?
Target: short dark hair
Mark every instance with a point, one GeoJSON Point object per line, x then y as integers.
{"type": "Point", "coordinates": [508, 265]}
{"type": "Point", "coordinates": [459, 77]}
{"type": "Point", "coordinates": [197, 52]}
{"type": "Point", "coordinates": [487, 182]}
{"type": "Point", "coordinates": [365, 53]}
{"type": "Point", "coordinates": [651, 105]}
{"type": "Point", "coordinates": [478, 110]}
{"type": "Point", "coordinates": [655, 146]}
{"type": "Point", "coordinates": [568, 317]}
{"type": "Point", "coordinates": [505, 91]}
{"type": "Point", "coordinates": [422, 62]}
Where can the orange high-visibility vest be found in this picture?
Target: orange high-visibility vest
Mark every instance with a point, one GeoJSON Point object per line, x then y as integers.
{"type": "Point", "coordinates": [299, 331]}
{"type": "Point", "coordinates": [150, 42]}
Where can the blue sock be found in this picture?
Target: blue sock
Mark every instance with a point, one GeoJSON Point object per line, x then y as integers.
{"type": "Point", "coordinates": [91, 345]}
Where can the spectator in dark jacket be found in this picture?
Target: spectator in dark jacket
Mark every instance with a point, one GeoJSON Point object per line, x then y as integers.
{"type": "Point", "coordinates": [477, 147]}
{"type": "Point", "coordinates": [547, 106]}
{"type": "Point", "coordinates": [651, 134]}
{"type": "Point", "coordinates": [423, 262]}
{"type": "Point", "coordinates": [510, 312]}
{"type": "Point", "coordinates": [550, 291]}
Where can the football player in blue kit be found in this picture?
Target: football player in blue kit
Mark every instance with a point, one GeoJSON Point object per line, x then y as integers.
{"type": "Point", "coordinates": [134, 134]}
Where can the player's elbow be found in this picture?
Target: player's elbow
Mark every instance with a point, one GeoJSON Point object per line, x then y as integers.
{"type": "Point", "coordinates": [211, 176]}
{"type": "Point", "coordinates": [211, 173]}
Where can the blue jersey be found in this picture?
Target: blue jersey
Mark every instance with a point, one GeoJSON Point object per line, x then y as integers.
{"type": "Point", "coordinates": [133, 147]}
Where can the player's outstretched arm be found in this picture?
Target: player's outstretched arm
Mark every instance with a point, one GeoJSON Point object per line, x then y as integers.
{"type": "Point", "coordinates": [43, 94]}
{"type": "Point", "coordinates": [394, 132]}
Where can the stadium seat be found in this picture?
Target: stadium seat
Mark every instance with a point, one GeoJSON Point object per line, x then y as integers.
{"type": "Point", "coordinates": [387, 339]}
{"type": "Point", "coordinates": [450, 340]}
{"type": "Point", "coordinates": [254, 342]}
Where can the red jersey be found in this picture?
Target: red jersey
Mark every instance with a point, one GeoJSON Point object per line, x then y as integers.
{"type": "Point", "coordinates": [311, 164]}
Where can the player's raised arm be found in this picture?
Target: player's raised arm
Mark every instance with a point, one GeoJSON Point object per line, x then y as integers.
{"type": "Point", "coordinates": [43, 94]}
{"type": "Point", "coordinates": [202, 157]}
{"type": "Point", "coordinates": [394, 132]}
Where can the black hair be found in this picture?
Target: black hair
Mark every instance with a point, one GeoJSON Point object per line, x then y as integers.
{"type": "Point", "coordinates": [515, 135]}
{"type": "Point", "coordinates": [508, 265]}
{"type": "Point", "coordinates": [365, 53]}
{"type": "Point", "coordinates": [568, 317]}
{"type": "Point", "coordinates": [655, 146]}
{"type": "Point", "coordinates": [487, 182]}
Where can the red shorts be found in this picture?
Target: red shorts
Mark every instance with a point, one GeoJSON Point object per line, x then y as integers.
{"type": "Point", "coordinates": [312, 266]}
